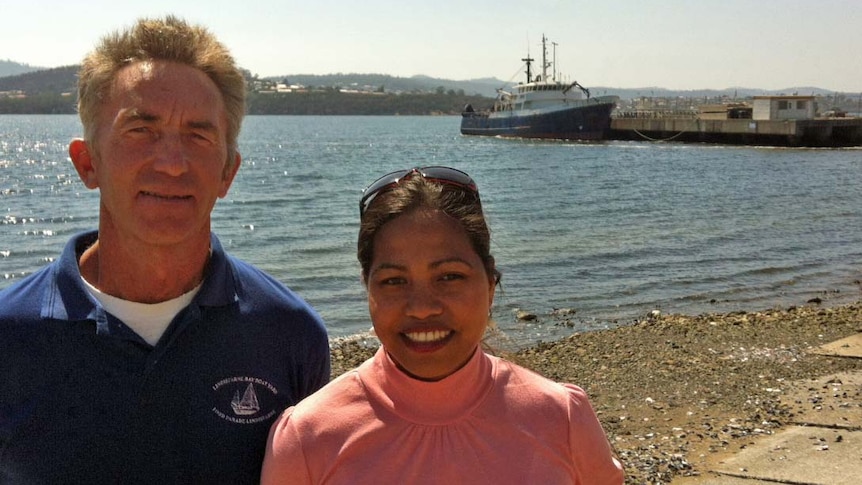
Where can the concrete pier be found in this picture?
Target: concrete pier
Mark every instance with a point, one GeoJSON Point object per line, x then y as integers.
{"type": "Point", "coordinates": [820, 132]}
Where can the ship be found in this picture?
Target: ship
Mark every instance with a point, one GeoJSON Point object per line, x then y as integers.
{"type": "Point", "coordinates": [542, 107]}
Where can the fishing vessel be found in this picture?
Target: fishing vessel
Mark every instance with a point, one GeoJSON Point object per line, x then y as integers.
{"type": "Point", "coordinates": [542, 107]}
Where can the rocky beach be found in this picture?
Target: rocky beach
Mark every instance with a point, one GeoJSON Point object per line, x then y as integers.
{"type": "Point", "coordinates": [677, 393]}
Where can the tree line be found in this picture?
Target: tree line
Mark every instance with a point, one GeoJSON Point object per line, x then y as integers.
{"type": "Point", "coordinates": [53, 91]}
{"type": "Point", "coordinates": [330, 102]}
{"type": "Point", "coordinates": [333, 102]}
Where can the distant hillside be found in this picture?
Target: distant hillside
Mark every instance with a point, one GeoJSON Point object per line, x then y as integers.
{"type": "Point", "coordinates": [736, 92]}
{"type": "Point", "coordinates": [488, 86]}
{"type": "Point", "coordinates": [12, 68]}
{"type": "Point", "coordinates": [392, 84]}
{"type": "Point", "coordinates": [63, 79]}
{"type": "Point", "coordinates": [56, 80]}
{"type": "Point", "coordinates": [53, 91]}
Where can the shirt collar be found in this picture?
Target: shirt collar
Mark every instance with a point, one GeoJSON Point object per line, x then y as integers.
{"type": "Point", "coordinates": [68, 299]}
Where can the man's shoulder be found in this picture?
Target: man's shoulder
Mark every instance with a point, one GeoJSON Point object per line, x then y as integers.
{"type": "Point", "coordinates": [261, 294]}
{"type": "Point", "coordinates": [25, 297]}
{"type": "Point", "coordinates": [257, 283]}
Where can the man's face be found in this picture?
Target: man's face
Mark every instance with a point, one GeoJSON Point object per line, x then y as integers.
{"type": "Point", "coordinates": [161, 154]}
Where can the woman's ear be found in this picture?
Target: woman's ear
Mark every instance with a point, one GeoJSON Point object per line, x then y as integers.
{"type": "Point", "coordinates": [493, 279]}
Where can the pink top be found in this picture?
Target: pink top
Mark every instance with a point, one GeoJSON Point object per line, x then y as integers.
{"type": "Point", "coordinates": [490, 422]}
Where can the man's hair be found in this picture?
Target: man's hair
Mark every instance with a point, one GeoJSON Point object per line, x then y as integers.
{"type": "Point", "coordinates": [168, 39]}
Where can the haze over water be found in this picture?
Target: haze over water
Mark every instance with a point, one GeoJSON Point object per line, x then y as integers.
{"type": "Point", "coordinates": [610, 231]}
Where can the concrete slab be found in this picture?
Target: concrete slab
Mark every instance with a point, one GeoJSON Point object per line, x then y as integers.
{"type": "Point", "coordinates": [714, 479]}
{"type": "Point", "coordinates": [847, 347]}
{"type": "Point", "coordinates": [800, 455]}
{"type": "Point", "coordinates": [823, 446]}
{"type": "Point", "coordinates": [830, 400]}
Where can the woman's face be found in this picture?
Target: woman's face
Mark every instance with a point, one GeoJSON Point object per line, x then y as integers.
{"type": "Point", "coordinates": [428, 293]}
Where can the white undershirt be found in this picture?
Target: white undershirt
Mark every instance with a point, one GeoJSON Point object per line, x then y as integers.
{"type": "Point", "coordinates": [147, 320]}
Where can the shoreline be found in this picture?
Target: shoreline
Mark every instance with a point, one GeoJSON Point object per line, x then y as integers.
{"type": "Point", "coordinates": [676, 393]}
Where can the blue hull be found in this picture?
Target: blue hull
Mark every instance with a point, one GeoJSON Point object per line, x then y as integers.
{"type": "Point", "coordinates": [590, 122]}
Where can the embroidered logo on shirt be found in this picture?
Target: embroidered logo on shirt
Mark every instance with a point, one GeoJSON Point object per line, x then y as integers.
{"type": "Point", "coordinates": [244, 400]}
{"type": "Point", "coordinates": [248, 404]}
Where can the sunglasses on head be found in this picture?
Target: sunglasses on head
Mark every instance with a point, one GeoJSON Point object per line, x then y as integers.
{"type": "Point", "coordinates": [438, 174]}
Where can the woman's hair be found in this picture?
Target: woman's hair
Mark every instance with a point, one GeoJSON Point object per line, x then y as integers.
{"type": "Point", "coordinates": [169, 39]}
{"type": "Point", "coordinates": [417, 192]}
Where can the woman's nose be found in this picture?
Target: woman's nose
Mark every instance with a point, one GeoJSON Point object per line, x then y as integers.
{"type": "Point", "coordinates": [423, 302]}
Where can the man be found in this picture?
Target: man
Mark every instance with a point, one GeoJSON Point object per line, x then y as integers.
{"type": "Point", "coordinates": [145, 354]}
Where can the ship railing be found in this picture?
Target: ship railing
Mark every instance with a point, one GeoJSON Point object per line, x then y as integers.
{"type": "Point", "coordinates": [656, 114]}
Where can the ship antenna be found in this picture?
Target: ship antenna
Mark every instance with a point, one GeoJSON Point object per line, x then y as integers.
{"type": "Point", "coordinates": [544, 59]}
{"type": "Point", "coordinates": [555, 60]}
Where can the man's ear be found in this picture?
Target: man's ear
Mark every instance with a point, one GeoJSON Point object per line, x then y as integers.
{"type": "Point", "coordinates": [229, 174]}
{"type": "Point", "coordinates": [82, 159]}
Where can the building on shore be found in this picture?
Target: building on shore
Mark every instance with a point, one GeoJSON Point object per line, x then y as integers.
{"type": "Point", "coordinates": [768, 120]}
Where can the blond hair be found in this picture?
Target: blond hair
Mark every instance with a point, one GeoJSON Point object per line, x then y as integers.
{"type": "Point", "coordinates": [168, 39]}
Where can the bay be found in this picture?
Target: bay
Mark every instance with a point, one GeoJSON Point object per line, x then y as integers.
{"type": "Point", "coordinates": [600, 232]}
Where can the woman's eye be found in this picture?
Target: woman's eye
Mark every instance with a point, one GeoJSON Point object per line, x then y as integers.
{"type": "Point", "coordinates": [452, 277]}
{"type": "Point", "coordinates": [392, 281]}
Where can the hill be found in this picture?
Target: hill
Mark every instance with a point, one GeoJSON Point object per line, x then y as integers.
{"type": "Point", "coordinates": [62, 79]}
{"type": "Point", "coordinates": [488, 86]}
{"type": "Point", "coordinates": [392, 84]}
{"type": "Point", "coordinates": [49, 91]}
{"type": "Point", "coordinates": [57, 80]}
{"type": "Point", "coordinates": [732, 93]}
{"type": "Point", "coordinates": [12, 68]}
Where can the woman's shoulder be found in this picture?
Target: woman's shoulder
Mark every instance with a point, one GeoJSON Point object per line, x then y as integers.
{"type": "Point", "coordinates": [334, 404]}
{"type": "Point", "coordinates": [531, 387]}
{"type": "Point", "coordinates": [338, 392]}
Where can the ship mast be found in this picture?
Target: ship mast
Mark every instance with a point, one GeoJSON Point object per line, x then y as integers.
{"type": "Point", "coordinates": [529, 61]}
{"type": "Point", "coordinates": [545, 63]}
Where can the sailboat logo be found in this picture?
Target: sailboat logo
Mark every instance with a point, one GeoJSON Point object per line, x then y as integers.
{"type": "Point", "coordinates": [246, 404]}
{"type": "Point", "coordinates": [245, 400]}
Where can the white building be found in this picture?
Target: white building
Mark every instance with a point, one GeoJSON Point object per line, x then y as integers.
{"type": "Point", "coordinates": [783, 108]}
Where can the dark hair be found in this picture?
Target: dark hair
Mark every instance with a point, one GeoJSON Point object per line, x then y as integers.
{"type": "Point", "coordinates": [169, 39]}
{"type": "Point", "coordinates": [419, 193]}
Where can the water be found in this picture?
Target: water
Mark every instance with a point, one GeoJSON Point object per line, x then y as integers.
{"type": "Point", "coordinates": [609, 230]}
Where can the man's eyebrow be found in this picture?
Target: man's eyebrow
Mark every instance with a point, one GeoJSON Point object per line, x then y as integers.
{"type": "Point", "coordinates": [202, 125]}
{"type": "Point", "coordinates": [138, 115]}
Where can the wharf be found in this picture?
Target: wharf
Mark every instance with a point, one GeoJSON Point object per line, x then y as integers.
{"type": "Point", "coordinates": [817, 132]}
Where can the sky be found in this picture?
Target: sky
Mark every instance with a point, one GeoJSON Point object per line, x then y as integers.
{"type": "Point", "coordinates": [673, 44]}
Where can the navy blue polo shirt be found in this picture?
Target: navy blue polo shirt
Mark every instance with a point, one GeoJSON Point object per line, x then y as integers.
{"type": "Point", "coordinates": [83, 399]}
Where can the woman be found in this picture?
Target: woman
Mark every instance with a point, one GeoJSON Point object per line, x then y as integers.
{"type": "Point", "coordinates": [431, 406]}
